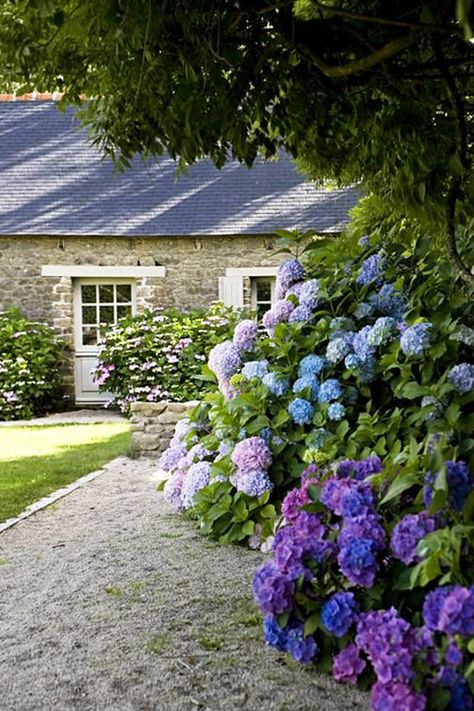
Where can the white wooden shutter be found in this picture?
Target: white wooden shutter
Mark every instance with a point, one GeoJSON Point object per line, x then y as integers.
{"type": "Point", "coordinates": [231, 290]}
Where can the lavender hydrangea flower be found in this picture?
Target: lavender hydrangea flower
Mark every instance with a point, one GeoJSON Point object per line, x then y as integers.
{"type": "Point", "coordinates": [196, 454]}
{"type": "Point", "coordinates": [224, 360]}
{"type": "Point", "coordinates": [408, 533]}
{"type": "Point", "coordinates": [339, 613]}
{"type": "Point", "coordinates": [183, 427]}
{"type": "Point", "coordinates": [381, 331]}
{"type": "Point", "coordinates": [274, 635]}
{"type": "Point", "coordinates": [273, 590]}
{"type": "Point", "coordinates": [336, 411]}
{"type": "Point", "coordinates": [329, 390]}
{"type": "Point", "coordinates": [279, 313]}
{"type": "Point", "coordinates": [289, 272]}
{"type": "Point", "coordinates": [253, 483]}
{"type": "Point", "coordinates": [461, 377]}
{"type": "Point", "coordinates": [198, 476]}
{"type": "Point", "coordinates": [370, 269]}
{"type": "Point", "coordinates": [245, 335]}
{"type": "Point", "coordinates": [415, 339]}
{"type": "Point", "coordinates": [395, 697]}
{"type": "Point", "coordinates": [358, 562]}
{"type": "Point", "coordinates": [301, 411]}
{"type": "Point", "coordinates": [348, 664]}
{"type": "Point", "coordinates": [309, 293]}
{"type": "Point", "coordinates": [277, 384]}
{"type": "Point", "coordinates": [311, 365]}
{"type": "Point", "coordinates": [171, 457]}
{"type": "Point", "coordinates": [173, 490]}
{"type": "Point", "coordinates": [302, 649]}
{"type": "Point", "coordinates": [307, 381]}
{"type": "Point", "coordinates": [252, 454]}
{"type": "Point", "coordinates": [337, 349]}
{"type": "Point", "coordinates": [301, 313]}
{"type": "Point", "coordinates": [255, 369]}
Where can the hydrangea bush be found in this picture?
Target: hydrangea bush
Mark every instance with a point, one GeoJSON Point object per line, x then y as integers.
{"type": "Point", "coordinates": [159, 354]}
{"type": "Point", "coordinates": [30, 364]}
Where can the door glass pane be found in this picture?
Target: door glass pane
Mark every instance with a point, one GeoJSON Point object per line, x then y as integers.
{"type": "Point", "coordinates": [106, 314]}
{"type": "Point", "coordinates": [106, 293]}
{"type": "Point", "coordinates": [88, 293]}
{"type": "Point", "coordinates": [89, 336]}
{"type": "Point", "coordinates": [124, 292]}
{"type": "Point", "coordinates": [261, 309]}
{"type": "Point", "coordinates": [124, 310]}
{"type": "Point", "coordinates": [89, 314]}
{"type": "Point", "coordinates": [264, 290]}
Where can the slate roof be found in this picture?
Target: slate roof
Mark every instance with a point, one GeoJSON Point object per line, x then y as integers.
{"type": "Point", "coordinates": [52, 182]}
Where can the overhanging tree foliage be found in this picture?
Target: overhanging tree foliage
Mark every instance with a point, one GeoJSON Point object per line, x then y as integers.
{"type": "Point", "coordinates": [371, 91]}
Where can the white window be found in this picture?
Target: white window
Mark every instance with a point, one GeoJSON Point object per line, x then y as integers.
{"type": "Point", "coordinates": [262, 294]}
{"type": "Point", "coordinates": [100, 304]}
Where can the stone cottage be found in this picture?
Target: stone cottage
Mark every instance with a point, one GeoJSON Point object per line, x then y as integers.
{"type": "Point", "coordinates": [82, 244]}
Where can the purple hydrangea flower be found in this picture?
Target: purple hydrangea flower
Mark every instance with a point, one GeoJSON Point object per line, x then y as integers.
{"type": "Point", "coordinates": [370, 269]}
{"type": "Point", "coordinates": [356, 501]}
{"type": "Point", "coordinates": [307, 381]}
{"type": "Point", "coordinates": [408, 533]}
{"type": "Point", "coordinates": [251, 454]}
{"type": "Point", "coordinates": [381, 331]}
{"type": "Point", "coordinates": [289, 272]}
{"type": "Point", "coordinates": [245, 335]}
{"type": "Point", "coordinates": [301, 313]}
{"type": "Point", "coordinates": [273, 590]}
{"type": "Point", "coordinates": [358, 562]}
{"type": "Point", "coordinates": [198, 476]}
{"type": "Point", "coordinates": [453, 655]}
{"type": "Point", "coordinates": [360, 469]}
{"type": "Point", "coordinates": [348, 665]}
{"type": "Point", "coordinates": [367, 527]}
{"type": "Point", "coordinates": [336, 411]}
{"type": "Point", "coordinates": [253, 483]}
{"type": "Point", "coordinates": [274, 635]}
{"type": "Point", "coordinates": [339, 613]}
{"type": "Point", "coordinates": [415, 339]}
{"type": "Point", "coordinates": [311, 365]}
{"type": "Point", "coordinates": [277, 384]}
{"type": "Point", "coordinates": [459, 485]}
{"type": "Point", "coordinates": [395, 697]}
{"type": "Point", "coordinates": [457, 612]}
{"type": "Point", "coordinates": [171, 457]}
{"type": "Point", "coordinates": [433, 604]}
{"type": "Point", "coordinates": [329, 390]}
{"type": "Point", "coordinates": [461, 377]}
{"type": "Point", "coordinates": [255, 369]}
{"type": "Point", "coordinates": [224, 360]}
{"type": "Point", "coordinates": [301, 411]}
{"type": "Point", "coordinates": [302, 649]}
{"type": "Point", "coordinates": [173, 490]}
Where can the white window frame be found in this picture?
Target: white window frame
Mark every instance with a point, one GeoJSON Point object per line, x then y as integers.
{"type": "Point", "coordinates": [254, 289]}
{"type": "Point", "coordinates": [231, 286]}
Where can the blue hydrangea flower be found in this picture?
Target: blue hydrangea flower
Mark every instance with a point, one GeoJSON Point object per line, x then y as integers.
{"type": "Point", "coordinates": [389, 301]}
{"type": "Point", "coordinates": [363, 310]}
{"type": "Point", "coordinates": [358, 562]}
{"type": "Point", "coordinates": [311, 365]}
{"type": "Point", "coordinates": [340, 326]}
{"type": "Point", "coordinates": [351, 361]}
{"type": "Point", "coordinates": [307, 381]}
{"type": "Point", "coordinates": [364, 242]}
{"type": "Point", "coordinates": [301, 411]}
{"type": "Point", "coordinates": [198, 476]}
{"type": "Point", "coordinates": [370, 269]}
{"type": "Point", "coordinates": [461, 377]}
{"type": "Point", "coordinates": [274, 635]}
{"type": "Point", "coordinates": [415, 339]}
{"type": "Point", "coordinates": [266, 434]}
{"type": "Point", "coordinates": [339, 613]}
{"type": "Point", "coordinates": [459, 484]}
{"type": "Point", "coordinates": [277, 384]}
{"type": "Point", "coordinates": [337, 349]}
{"type": "Point", "coordinates": [255, 369]}
{"type": "Point", "coordinates": [225, 447]}
{"type": "Point", "coordinates": [302, 649]}
{"type": "Point", "coordinates": [363, 350]}
{"type": "Point", "coordinates": [301, 313]}
{"type": "Point", "coordinates": [329, 390]}
{"type": "Point", "coordinates": [381, 331]}
{"type": "Point", "coordinates": [336, 411]}
{"type": "Point", "coordinates": [309, 293]}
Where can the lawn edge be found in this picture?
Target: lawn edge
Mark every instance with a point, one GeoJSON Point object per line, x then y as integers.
{"type": "Point", "coordinates": [56, 496]}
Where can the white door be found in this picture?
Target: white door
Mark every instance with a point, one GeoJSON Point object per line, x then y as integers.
{"type": "Point", "coordinates": [98, 303]}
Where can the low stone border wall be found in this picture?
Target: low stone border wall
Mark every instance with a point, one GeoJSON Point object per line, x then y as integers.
{"type": "Point", "coordinates": [153, 423]}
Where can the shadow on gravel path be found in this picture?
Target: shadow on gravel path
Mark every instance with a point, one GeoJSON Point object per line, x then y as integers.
{"type": "Point", "coordinates": [110, 601]}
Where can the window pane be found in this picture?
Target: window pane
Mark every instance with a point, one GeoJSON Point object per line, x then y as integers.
{"type": "Point", "coordinates": [124, 292]}
{"type": "Point", "coordinates": [261, 309]}
{"type": "Point", "coordinates": [88, 294]}
{"type": "Point", "coordinates": [264, 290]}
{"type": "Point", "coordinates": [89, 314]}
{"type": "Point", "coordinates": [124, 310]}
{"type": "Point", "coordinates": [89, 336]}
{"type": "Point", "coordinates": [106, 314]}
{"type": "Point", "coordinates": [106, 293]}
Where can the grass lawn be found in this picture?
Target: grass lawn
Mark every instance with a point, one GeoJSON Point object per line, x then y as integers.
{"type": "Point", "coordinates": [34, 461]}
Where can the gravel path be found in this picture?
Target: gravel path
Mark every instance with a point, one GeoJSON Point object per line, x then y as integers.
{"type": "Point", "coordinates": [108, 600]}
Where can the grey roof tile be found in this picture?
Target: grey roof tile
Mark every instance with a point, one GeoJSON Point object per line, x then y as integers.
{"type": "Point", "coordinates": [53, 182]}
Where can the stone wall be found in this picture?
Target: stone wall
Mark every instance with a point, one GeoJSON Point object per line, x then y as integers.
{"type": "Point", "coordinates": [153, 423]}
{"type": "Point", "coordinates": [193, 266]}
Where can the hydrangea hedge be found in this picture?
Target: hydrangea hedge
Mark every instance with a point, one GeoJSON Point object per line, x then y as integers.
{"type": "Point", "coordinates": [159, 354]}
{"type": "Point", "coordinates": [30, 363]}
{"type": "Point", "coordinates": [348, 426]}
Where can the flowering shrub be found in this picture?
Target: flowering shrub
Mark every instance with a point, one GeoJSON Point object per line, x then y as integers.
{"type": "Point", "coordinates": [348, 570]}
{"type": "Point", "coordinates": [159, 354]}
{"type": "Point", "coordinates": [30, 360]}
